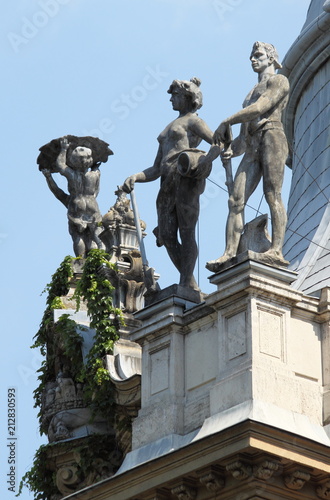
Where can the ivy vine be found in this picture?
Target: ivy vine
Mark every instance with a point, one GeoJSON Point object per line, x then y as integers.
{"type": "Point", "coordinates": [39, 479]}
{"type": "Point", "coordinates": [57, 288]}
{"type": "Point", "coordinates": [95, 289]}
{"type": "Point", "coordinates": [52, 334]}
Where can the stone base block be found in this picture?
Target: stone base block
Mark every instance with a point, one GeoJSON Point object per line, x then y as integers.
{"type": "Point", "coordinates": [185, 293]}
{"type": "Point", "coordinates": [231, 392]}
{"type": "Point", "coordinates": [157, 421]}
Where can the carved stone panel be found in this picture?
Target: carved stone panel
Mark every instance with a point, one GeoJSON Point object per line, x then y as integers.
{"type": "Point", "coordinates": [201, 351]}
{"type": "Point", "coordinates": [270, 332]}
{"type": "Point", "coordinates": [236, 334]}
{"type": "Point", "coordinates": [159, 370]}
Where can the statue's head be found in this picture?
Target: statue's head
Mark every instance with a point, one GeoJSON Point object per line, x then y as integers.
{"type": "Point", "coordinates": [189, 89]}
{"type": "Point", "coordinates": [81, 157]}
{"type": "Point", "coordinates": [270, 51]}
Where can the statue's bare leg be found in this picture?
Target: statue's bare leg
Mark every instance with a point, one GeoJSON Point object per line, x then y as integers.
{"type": "Point", "coordinates": [187, 205]}
{"type": "Point", "coordinates": [167, 231]}
{"type": "Point", "coordinates": [189, 254]}
{"type": "Point", "coordinates": [95, 231]}
{"type": "Point", "coordinates": [79, 245]}
{"type": "Point", "coordinates": [273, 155]}
{"type": "Point", "coordinates": [246, 180]}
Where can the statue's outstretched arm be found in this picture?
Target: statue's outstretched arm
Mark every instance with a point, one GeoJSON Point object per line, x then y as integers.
{"type": "Point", "coordinates": [147, 175]}
{"type": "Point", "coordinates": [277, 89]}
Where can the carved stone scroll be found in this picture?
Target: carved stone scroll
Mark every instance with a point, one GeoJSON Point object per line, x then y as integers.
{"type": "Point", "coordinates": [296, 480]}
{"type": "Point", "coordinates": [239, 470]}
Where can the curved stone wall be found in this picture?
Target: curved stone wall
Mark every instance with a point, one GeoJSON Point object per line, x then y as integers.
{"type": "Point", "coordinates": [307, 123]}
{"type": "Point", "coordinates": [310, 189]}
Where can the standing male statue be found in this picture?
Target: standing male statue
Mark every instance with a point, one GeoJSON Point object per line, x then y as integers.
{"type": "Point", "coordinates": [263, 142]}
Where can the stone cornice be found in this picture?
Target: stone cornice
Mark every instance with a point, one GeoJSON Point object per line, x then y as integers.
{"type": "Point", "coordinates": [248, 455]}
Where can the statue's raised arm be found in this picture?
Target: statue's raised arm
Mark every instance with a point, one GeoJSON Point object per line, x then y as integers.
{"type": "Point", "coordinates": [61, 165]}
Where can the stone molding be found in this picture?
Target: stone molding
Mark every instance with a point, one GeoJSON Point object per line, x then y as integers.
{"type": "Point", "coordinates": [253, 475]}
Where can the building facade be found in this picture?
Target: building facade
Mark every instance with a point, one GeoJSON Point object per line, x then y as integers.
{"type": "Point", "coordinates": [231, 399]}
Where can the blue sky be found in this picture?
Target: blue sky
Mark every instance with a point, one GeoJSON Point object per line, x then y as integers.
{"type": "Point", "coordinates": [103, 68]}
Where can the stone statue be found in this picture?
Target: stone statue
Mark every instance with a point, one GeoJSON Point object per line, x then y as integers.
{"type": "Point", "coordinates": [180, 188]}
{"type": "Point", "coordinates": [263, 142]}
{"type": "Point", "coordinates": [78, 160]}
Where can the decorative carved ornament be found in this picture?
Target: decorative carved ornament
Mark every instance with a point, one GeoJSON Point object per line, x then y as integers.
{"type": "Point", "coordinates": [239, 470]}
{"type": "Point", "coordinates": [265, 470]}
{"type": "Point", "coordinates": [296, 480]}
{"type": "Point", "coordinates": [67, 479]}
{"type": "Point", "coordinates": [212, 478]}
{"type": "Point", "coordinates": [184, 491]}
{"type": "Point", "coordinates": [323, 491]}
